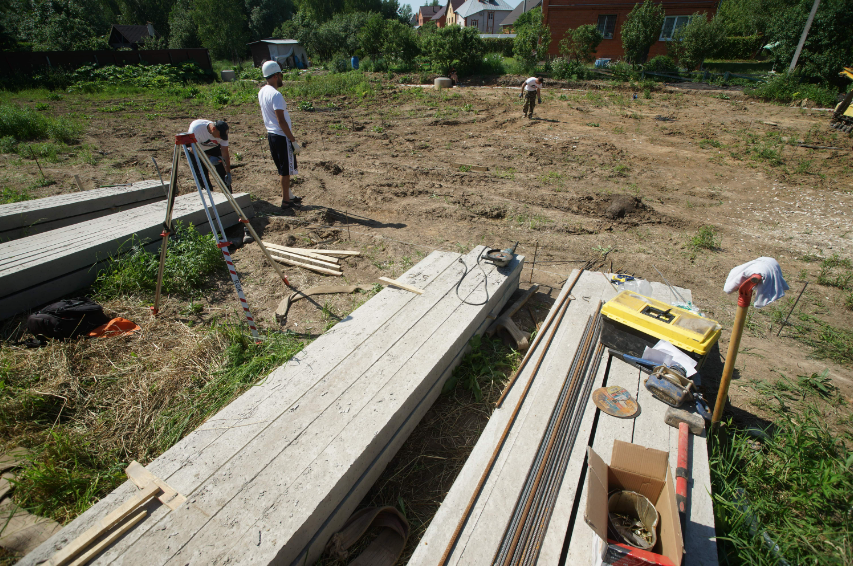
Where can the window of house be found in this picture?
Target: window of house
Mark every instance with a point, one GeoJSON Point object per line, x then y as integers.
{"type": "Point", "coordinates": [672, 23]}
{"type": "Point", "coordinates": [475, 23]}
{"type": "Point", "coordinates": [607, 25]}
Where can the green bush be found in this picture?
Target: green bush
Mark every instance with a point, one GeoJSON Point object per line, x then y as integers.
{"type": "Point", "coordinates": [661, 64]}
{"type": "Point", "coordinates": [501, 45]}
{"type": "Point", "coordinates": [23, 123]}
{"type": "Point", "coordinates": [641, 30]}
{"type": "Point", "coordinates": [532, 39]}
{"type": "Point", "coordinates": [564, 69]}
{"type": "Point", "coordinates": [623, 71]}
{"type": "Point", "coordinates": [8, 195]}
{"type": "Point", "coordinates": [740, 47]}
{"type": "Point", "coordinates": [580, 44]}
{"type": "Point", "coordinates": [696, 41]}
{"type": "Point", "coordinates": [191, 257]}
{"type": "Point", "coordinates": [785, 88]}
{"type": "Point", "coordinates": [453, 46]}
{"type": "Point", "coordinates": [493, 64]}
{"type": "Point", "coordinates": [145, 76]}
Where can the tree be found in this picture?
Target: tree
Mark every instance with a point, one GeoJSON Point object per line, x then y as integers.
{"type": "Point", "coordinates": [182, 28]}
{"type": "Point", "coordinates": [453, 46]}
{"type": "Point", "coordinates": [372, 35]}
{"type": "Point", "coordinates": [740, 18]}
{"type": "Point", "coordinates": [221, 27]}
{"type": "Point", "coordinates": [320, 10]}
{"type": "Point", "coordinates": [336, 37]}
{"type": "Point", "coordinates": [532, 38]}
{"type": "Point", "coordinates": [264, 15]}
{"type": "Point", "coordinates": [401, 43]}
{"type": "Point", "coordinates": [136, 12]}
{"type": "Point", "coordinates": [389, 9]}
{"type": "Point", "coordinates": [828, 47]}
{"type": "Point", "coordinates": [404, 14]}
{"type": "Point", "coordinates": [57, 25]}
{"type": "Point", "coordinates": [693, 43]}
{"type": "Point", "coordinates": [641, 30]}
{"type": "Point", "coordinates": [580, 44]}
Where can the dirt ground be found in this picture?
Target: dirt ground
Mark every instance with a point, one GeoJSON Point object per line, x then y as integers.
{"type": "Point", "coordinates": [597, 179]}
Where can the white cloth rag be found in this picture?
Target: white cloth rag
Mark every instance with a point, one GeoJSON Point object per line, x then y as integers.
{"type": "Point", "coordinates": [772, 286]}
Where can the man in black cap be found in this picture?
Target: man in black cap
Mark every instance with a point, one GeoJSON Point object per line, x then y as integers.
{"type": "Point", "coordinates": [212, 139]}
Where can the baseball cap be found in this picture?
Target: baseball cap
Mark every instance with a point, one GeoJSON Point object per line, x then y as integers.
{"type": "Point", "coordinates": [222, 126]}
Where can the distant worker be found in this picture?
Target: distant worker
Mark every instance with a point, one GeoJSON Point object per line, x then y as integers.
{"type": "Point", "coordinates": [279, 131]}
{"type": "Point", "coordinates": [212, 139]}
{"type": "Point", "coordinates": [531, 89]}
{"type": "Point", "coordinates": [454, 78]}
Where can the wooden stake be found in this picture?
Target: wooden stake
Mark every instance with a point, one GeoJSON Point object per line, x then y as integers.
{"type": "Point", "coordinates": [79, 184]}
{"type": "Point", "coordinates": [403, 286]}
{"type": "Point", "coordinates": [346, 214]}
{"type": "Point", "coordinates": [533, 265]}
{"type": "Point", "coordinates": [304, 253]}
{"type": "Point", "coordinates": [306, 266]}
{"type": "Point", "coordinates": [320, 263]}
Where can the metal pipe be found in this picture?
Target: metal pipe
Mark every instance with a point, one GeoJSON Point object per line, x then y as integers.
{"type": "Point", "coordinates": [478, 489]}
{"type": "Point", "coordinates": [566, 294]}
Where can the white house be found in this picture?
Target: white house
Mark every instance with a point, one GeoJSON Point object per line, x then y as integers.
{"type": "Point", "coordinates": [485, 15]}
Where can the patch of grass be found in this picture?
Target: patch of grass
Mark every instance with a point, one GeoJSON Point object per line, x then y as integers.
{"type": "Point", "coordinates": [620, 170]}
{"type": "Point", "coordinates": [8, 195]}
{"type": "Point", "coordinates": [705, 239]}
{"type": "Point", "coordinates": [552, 178]}
{"type": "Point", "coordinates": [837, 272]}
{"type": "Point", "coordinates": [190, 259]}
{"type": "Point", "coordinates": [378, 129]}
{"type": "Point", "coordinates": [65, 476]}
{"type": "Point", "coordinates": [487, 364]}
{"type": "Point", "coordinates": [508, 173]}
{"type": "Point", "coordinates": [245, 363]}
{"type": "Point", "coordinates": [305, 105]}
{"type": "Point", "coordinates": [464, 168]}
{"type": "Point", "coordinates": [768, 153]}
{"type": "Point", "coordinates": [592, 124]}
{"type": "Point", "coordinates": [788, 487]}
{"type": "Point", "coordinates": [706, 143]}
{"type": "Point", "coordinates": [24, 124]}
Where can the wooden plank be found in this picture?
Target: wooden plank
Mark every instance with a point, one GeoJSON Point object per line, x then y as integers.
{"type": "Point", "coordinates": [480, 537]}
{"type": "Point", "coordinates": [21, 215]}
{"type": "Point", "coordinates": [297, 257]}
{"type": "Point", "coordinates": [96, 549]}
{"type": "Point", "coordinates": [304, 254]}
{"type": "Point", "coordinates": [195, 459]}
{"type": "Point", "coordinates": [316, 268]}
{"type": "Point", "coordinates": [341, 253]}
{"type": "Point", "coordinates": [289, 439]}
{"type": "Point", "coordinates": [403, 286]}
{"type": "Point", "coordinates": [55, 266]}
{"type": "Point", "coordinates": [142, 477]}
{"type": "Point", "coordinates": [80, 543]}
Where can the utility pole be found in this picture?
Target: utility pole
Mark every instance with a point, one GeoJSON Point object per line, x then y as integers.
{"type": "Point", "coordinates": [803, 37]}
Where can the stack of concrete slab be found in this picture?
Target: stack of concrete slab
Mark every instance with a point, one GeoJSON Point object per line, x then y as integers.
{"type": "Point", "coordinates": [567, 533]}
{"type": "Point", "coordinates": [21, 219]}
{"type": "Point", "coordinates": [40, 268]}
{"type": "Point", "coordinates": [273, 475]}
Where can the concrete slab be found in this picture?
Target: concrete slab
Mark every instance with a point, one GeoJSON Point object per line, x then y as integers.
{"type": "Point", "coordinates": [297, 452]}
{"type": "Point", "coordinates": [22, 219]}
{"type": "Point", "coordinates": [40, 268]}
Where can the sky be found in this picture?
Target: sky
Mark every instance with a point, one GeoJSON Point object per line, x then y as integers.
{"type": "Point", "coordinates": [415, 4]}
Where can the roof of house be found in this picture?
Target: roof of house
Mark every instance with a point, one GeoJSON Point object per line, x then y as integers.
{"type": "Point", "coordinates": [276, 41]}
{"type": "Point", "coordinates": [428, 11]}
{"type": "Point", "coordinates": [510, 19]}
{"type": "Point", "coordinates": [134, 34]}
{"type": "Point", "coordinates": [440, 13]}
{"type": "Point", "coordinates": [473, 6]}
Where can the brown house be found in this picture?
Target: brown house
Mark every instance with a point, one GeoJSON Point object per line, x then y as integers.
{"type": "Point", "coordinates": [426, 13]}
{"type": "Point", "coordinates": [609, 15]}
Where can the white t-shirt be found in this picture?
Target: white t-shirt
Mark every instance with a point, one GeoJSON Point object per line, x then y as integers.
{"type": "Point", "coordinates": [271, 100]}
{"type": "Point", "coordinates": [532, 84]}
{"type": "Point", "coordinates": [203, 137]}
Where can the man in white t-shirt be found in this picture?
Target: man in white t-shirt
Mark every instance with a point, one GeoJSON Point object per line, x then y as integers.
{"type": "Point", "coordinates": [531, 89]}
{"type": "Point", "coordinates": [212, 139]}
{"type": "Point", "coordinates": [279, 131]}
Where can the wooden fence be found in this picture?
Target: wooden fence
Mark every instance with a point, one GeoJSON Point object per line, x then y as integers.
{"type": "Point", "coordinates": [23, 62]}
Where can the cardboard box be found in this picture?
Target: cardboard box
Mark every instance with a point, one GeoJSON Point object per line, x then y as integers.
{"type": "Point", "coordinates": [646, 471]}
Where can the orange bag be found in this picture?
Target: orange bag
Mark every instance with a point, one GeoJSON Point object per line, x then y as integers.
{"type": "Point", "coordinates": [116, 327]}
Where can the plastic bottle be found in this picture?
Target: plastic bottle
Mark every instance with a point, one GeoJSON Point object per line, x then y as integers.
{"type": "Point", "coordinates": [640, 286]}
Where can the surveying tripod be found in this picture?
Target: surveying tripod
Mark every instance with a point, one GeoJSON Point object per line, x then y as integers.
{"type": "Point", "coordinates": [187, 141]}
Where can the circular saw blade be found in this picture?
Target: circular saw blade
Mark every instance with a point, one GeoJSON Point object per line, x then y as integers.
{"type": "Point", "coordinates": [616, 401]}
{"type": "Point", "coordinates": [499, 258]}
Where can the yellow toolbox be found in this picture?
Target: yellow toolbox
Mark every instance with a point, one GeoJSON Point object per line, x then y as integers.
{"type": "Point", "coordinates": [633, 321]}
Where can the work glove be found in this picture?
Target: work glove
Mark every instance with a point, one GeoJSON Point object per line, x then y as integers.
{"type": "Point", "coordinates": [228, 179]}
{"type": "Point", "coordinates": [540, 101]}
{"type": "Point", "coordinates": [521, 95]}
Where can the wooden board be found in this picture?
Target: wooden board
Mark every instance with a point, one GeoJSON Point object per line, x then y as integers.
{"type": "Point", "coordinates": [21, 219]}
{"type": "Point", "coordinates": [489, 516]}
{"type": "Point", "coordinates": [650, 430]}
{"type": "Point", "coordinates": [44, 267]}
{"type": "Point", "coordinates": [279, 460]}
{"type": "Point", "coordinates": [412, 288]}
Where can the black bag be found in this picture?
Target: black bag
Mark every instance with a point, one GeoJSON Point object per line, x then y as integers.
{"type": "Point", "coordinates": [67, 319]}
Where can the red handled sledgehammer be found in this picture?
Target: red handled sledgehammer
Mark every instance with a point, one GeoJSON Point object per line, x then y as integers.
{"type": "Point", "coordinates": [684, 422]}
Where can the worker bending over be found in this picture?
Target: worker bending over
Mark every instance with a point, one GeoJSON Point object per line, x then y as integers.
{"type": "Point", "coordinates": [531, 89]}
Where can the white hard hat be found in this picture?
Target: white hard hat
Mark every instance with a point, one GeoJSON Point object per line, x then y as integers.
{"type": "Point", "coordinates": [270, 68]}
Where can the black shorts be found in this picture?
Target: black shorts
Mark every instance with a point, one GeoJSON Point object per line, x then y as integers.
{"type": "Point", "coordinates": [282, 154]}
